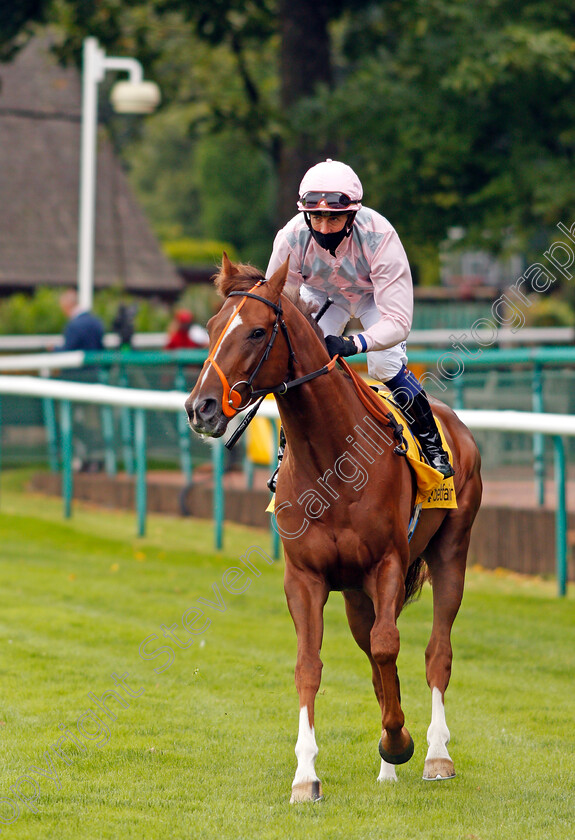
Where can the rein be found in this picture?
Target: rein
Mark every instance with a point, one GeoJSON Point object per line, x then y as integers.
{"type": "Point", "coordinates": [367, 396]}
{"type": "Point", "coordinates": [375, 405]}
{"type": "Point", "coordinates": [232, 399]}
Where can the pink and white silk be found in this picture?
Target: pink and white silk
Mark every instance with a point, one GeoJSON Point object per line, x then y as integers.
{"type": "Point", "coordinates": [369, 264]}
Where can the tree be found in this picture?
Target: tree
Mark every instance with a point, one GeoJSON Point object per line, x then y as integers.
{"type": "Point", "coordinates": [16, 17]}
{"type": "Point", "coordinates": [305, 65]}
{"type": "Point", "coordinates": [461, 114]}
{"type": "Point", "coordinates": [453, 113]}
{"type": "Point", "coordinates": [247, 33]}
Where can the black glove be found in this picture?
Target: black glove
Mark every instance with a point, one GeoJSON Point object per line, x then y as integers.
{"type": "Point", "coordinates": [340, 345]}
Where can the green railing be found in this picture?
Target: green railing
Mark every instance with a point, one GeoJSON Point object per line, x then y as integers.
{"type": "Point", "coordinates": [449, 374]}
{"type": "Point", "coordinates": [556, 426]}
{"type": "Point", "coordinates": [532, 378]}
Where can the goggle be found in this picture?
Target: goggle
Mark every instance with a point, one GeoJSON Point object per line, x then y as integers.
{"type": "Point", "coordinates": [334, 201]}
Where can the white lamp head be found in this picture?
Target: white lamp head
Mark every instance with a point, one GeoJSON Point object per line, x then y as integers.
{"type": "Point", "coordinates": [135, 97]}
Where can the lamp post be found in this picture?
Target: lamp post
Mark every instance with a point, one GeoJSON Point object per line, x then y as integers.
{"type": "Point", "coordinates": [135, 96]}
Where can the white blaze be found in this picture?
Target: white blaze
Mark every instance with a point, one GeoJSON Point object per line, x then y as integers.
{"type": "Point", "coordinates": [235, 322]}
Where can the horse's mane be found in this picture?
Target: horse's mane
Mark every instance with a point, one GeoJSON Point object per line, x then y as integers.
{"type": "Point", "coordinates": [248, 275]}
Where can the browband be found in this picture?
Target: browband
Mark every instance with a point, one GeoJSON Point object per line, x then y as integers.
{"type": "Point", "coordinates": [277, 309]}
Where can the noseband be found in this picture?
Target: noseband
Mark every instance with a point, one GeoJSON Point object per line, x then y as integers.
{"type": "Point", "coordinates": [232, 400]}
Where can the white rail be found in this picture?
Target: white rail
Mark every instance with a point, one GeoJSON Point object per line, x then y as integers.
{"type": "Point", "coordinates": [28, 343]}
{"type": "Point", "coordinates": [424, 338]}
{"type": "Point", "coordinates": [57, 389]}
{"type": "Point", "coordinates": [501, 421]}
{"type": "Point", "coordinates": [555, 425]}
{"type": "Point", "coordinates": [43, 361]}
{"type": "Point", "coordinates": [518, 421]}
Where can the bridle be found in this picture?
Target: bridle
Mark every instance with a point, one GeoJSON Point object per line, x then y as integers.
{"type": "Point", "coordinates": [232, 400]}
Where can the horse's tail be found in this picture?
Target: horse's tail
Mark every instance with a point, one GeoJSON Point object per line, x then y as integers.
{"type": "Point", "coordinates": [417, 574]}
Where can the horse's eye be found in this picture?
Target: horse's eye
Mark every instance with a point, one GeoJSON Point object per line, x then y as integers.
{"type": "Point", "coordinates": [259, 332]}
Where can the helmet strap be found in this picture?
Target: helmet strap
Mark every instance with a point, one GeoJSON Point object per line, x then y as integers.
{"type": "Point", "coordinates": [349, 223]}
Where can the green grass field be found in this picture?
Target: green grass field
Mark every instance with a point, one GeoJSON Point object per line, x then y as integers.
{"type": "Point", "coordinates": [206, 750]}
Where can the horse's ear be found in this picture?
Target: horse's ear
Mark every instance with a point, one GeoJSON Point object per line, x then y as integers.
{"type": "Point", "coordinates": [278, 278]}
{"type": "Point", "coordinates": [228, 268]}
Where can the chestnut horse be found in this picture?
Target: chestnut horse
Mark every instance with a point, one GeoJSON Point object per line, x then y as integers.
{"type": "Point", "coordinates": [343, 506]}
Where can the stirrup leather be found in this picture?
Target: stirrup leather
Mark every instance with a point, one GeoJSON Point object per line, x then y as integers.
{"type": "Point", "coordinates": [272, 481]}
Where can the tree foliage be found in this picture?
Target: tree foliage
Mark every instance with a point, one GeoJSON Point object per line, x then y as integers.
{"type": "Point", "coordinates": [460, 113]}
{"type": "Point", "coordinates": [454, 112]}
{"type": "Point", "coordinates": [16, 18]}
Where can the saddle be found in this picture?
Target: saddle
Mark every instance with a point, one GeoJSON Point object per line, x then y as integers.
{"type": "Point", "coordinates": [433, 490]}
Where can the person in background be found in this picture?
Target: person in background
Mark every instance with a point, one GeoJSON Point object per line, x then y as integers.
{"type": "Point", "coordinates": [123, 325]}
{"type": "Point", "coordinates": [84, 331]}
{"type": "Point", "coordinates": [341, 249]}
{"type": "Point", "coordinates": [184, 333]}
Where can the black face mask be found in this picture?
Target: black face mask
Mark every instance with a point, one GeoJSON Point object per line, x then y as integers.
{"type": "Point", "coordinates": [329, 241]}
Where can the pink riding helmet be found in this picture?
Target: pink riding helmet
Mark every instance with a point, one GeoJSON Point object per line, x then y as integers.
{"type": "Point", "coordinates": [330, 186]}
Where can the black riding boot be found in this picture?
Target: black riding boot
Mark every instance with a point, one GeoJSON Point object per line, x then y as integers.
{"type": "Point", "coordinates": [422, 423]}
{"type": "Point", "coordinates": [281, 449]}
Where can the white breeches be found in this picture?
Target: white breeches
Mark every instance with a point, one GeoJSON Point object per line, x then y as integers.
{"type": "Point", "coordinates": [381, 364]}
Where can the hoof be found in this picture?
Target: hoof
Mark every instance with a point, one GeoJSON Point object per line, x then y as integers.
{"type": "Point", "coordinates": [399, 758]}
{"type": "Point", "coordinates": [306, 792]}
{"type": "Point", "coordinates": [438, 769]}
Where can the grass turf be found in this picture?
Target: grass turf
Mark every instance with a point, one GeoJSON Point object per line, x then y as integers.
{"type": "Point", "coordinates": [206, 750]}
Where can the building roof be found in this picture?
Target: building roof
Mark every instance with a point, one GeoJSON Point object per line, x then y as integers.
{"type": "Point", "coordinates": [40, 112]}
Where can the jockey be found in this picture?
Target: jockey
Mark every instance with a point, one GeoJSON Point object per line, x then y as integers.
{"type": "Point", "coordinates": [352, 254]}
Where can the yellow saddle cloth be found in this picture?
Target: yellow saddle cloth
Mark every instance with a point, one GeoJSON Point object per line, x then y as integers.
{"type": "Point", "coordinates": [433, 490]}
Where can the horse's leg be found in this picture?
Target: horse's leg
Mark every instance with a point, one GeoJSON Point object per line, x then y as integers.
{"type": "Point", "coordinates": [386, 588]}
{"type": "Point", "coordinates": [361, 615]}
{"type": "Point", "coordinates": [446, 558]}
{"type": "Point", "coordinates": [306, 597]}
